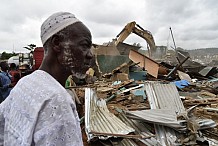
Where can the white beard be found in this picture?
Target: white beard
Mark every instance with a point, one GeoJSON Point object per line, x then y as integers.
{"type": "Point", "coordinates": [78, 75]}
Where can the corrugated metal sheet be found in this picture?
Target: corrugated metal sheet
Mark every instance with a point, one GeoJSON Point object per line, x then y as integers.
{"type": "Point", "coordinates": [118, 142]}
{"type": "Point", "coordinates": [164, 96]}
{"type": "Point", "coordinates": [141, 129]}
{"type": "Point", "coordinates": [206, 123]}
{"type": "Point", "coordinates": [128, 142]}
{"type": "Point", "coordinates": [99, 120]}
{"type": "Point", "coordinates": [159, 116]}
{"type": "Point", "coordinates": [204, 72]}
{"type": "Point", "coordinates": [212, 142]}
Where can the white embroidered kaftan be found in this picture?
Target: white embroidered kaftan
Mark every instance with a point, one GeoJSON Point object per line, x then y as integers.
{"type": "Point", "coordinates": [39, 112]}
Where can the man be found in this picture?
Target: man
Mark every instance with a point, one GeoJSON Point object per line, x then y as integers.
{"type": "Point", "coordinates": [5, 81]}
{"type": "Point", "coordinates": [15, 74]}
{"type": "Point", "coordinates": [39, 111]}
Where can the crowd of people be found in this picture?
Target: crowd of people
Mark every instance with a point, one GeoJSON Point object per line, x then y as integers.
{"type": "Point", "coordinates": [9, 76]}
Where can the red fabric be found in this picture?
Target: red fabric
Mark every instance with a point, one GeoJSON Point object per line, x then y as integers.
{"type": "Point", "coordinates": [15, 77]}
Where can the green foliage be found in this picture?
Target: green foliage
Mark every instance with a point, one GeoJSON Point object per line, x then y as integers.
{"type": "Point", "coordinates": [6, 56]}
{"type": "Point", "coordinates": [30, 47]}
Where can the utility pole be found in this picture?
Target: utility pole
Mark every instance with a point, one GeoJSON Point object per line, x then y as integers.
{"type": "Point", "coordinates": [175, 44]}
{"type": "Point", "coordinates": [13, 47]}
{"type": "Point", "coordinates": [173, 38]}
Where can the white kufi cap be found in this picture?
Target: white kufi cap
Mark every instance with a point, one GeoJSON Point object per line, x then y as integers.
{"type": "Point", "coordinates": [56, 23]}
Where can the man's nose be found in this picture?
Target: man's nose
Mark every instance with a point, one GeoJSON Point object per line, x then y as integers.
{"type": "Point", "coordinates": [89, 54]}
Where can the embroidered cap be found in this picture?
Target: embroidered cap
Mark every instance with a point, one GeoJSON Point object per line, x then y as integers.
{"type": "Point", "coordinates": [56, 23]}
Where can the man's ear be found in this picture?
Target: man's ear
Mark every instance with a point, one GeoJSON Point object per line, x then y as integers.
{"type": "Point", "coordinates": [55, 40]}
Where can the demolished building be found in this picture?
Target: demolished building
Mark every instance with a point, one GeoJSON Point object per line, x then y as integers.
{"type": "Point", "coordinates": [142, 100]}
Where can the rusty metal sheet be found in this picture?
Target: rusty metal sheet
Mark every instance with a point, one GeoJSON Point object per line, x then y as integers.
{"type": "Point", "coordinates": [150, 65]}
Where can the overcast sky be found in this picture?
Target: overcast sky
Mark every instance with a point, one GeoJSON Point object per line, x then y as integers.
{"type": "Point", "coordinates": [194, 22]}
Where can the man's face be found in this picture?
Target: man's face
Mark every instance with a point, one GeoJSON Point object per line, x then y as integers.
{"type": "Point", "coordinates": [76, 51]}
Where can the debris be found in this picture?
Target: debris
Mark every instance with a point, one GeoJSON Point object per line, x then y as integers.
{"type": "Point", "coordinates": [157, 103]}
{"type": "Point", "coordinates": [139, 95]}
{"type": "Point", "coordinates": [138, 75]}
{"type": "Point", "coordinates": [150, 65]}
{"type": "Point", "coordinates": [184, 76]}
{"type": "Point", "coordinates": [175, 68]}
{"type": "Point", "coordinates": [181, 84]}
{"type": "Point", "coordinates": [120, 77]}
{"type": "Point", "coordinates": [206, 101]}
{"type": "Point", "coordinates": [99, 120]}
{"type": "Point", "coordinates": [207, 71]}
{"type": "Point", "coordinates": [159, 116]}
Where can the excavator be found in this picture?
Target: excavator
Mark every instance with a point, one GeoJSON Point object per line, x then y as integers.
{"type": "Point", "coordinates": [132, 27]}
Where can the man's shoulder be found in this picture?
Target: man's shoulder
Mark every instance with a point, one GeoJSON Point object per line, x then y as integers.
{"type": "Point", "coordinates": [40, 86]}
{"type": "Point", "coordinates": [36, 78]}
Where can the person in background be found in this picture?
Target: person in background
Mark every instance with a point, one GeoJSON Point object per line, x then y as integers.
{"type": "Point", "coordinates": [15, 74]}
{"type": "Point", "coordinates": [5, 80]}
{"type": "Point", "coordinates": [90, 78]}
{"type": "Point", "coordinates": [39, 111]}
{"type": "Point", "coordinates": [24, 70]}
{"type": "Point", "coordinates": [69, 82]}
{"type": "Point", "coordinates": [68, 85]}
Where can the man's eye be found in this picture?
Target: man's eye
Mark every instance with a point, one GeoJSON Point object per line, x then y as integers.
{"type": "Point", "coordinates": [86, 45]}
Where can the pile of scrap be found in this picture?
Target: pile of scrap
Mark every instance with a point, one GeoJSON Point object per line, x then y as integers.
{"type": "Point", "coordinates": [143, 102]}
{"type": "Point", "coordinates": [165, 121]}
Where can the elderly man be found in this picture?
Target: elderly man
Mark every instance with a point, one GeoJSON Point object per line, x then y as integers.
{"type": "Point", "coordinates": [39, 111]}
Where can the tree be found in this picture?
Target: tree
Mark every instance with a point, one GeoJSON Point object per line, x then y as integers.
{"type": "Point", "coordinates": [30, 47]}
{"type": "Point", "coordinates": [5, 56]}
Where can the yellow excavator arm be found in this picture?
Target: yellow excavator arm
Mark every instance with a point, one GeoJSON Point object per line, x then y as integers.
{"type": "Point", "coordinates": [132, 27]}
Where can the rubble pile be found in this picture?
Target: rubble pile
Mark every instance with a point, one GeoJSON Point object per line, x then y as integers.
{"type": "Point", "coordinates": [143, 102]}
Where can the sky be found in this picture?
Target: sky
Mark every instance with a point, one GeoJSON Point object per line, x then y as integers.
{"type": "Point", "coordinates": [194, 22]}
